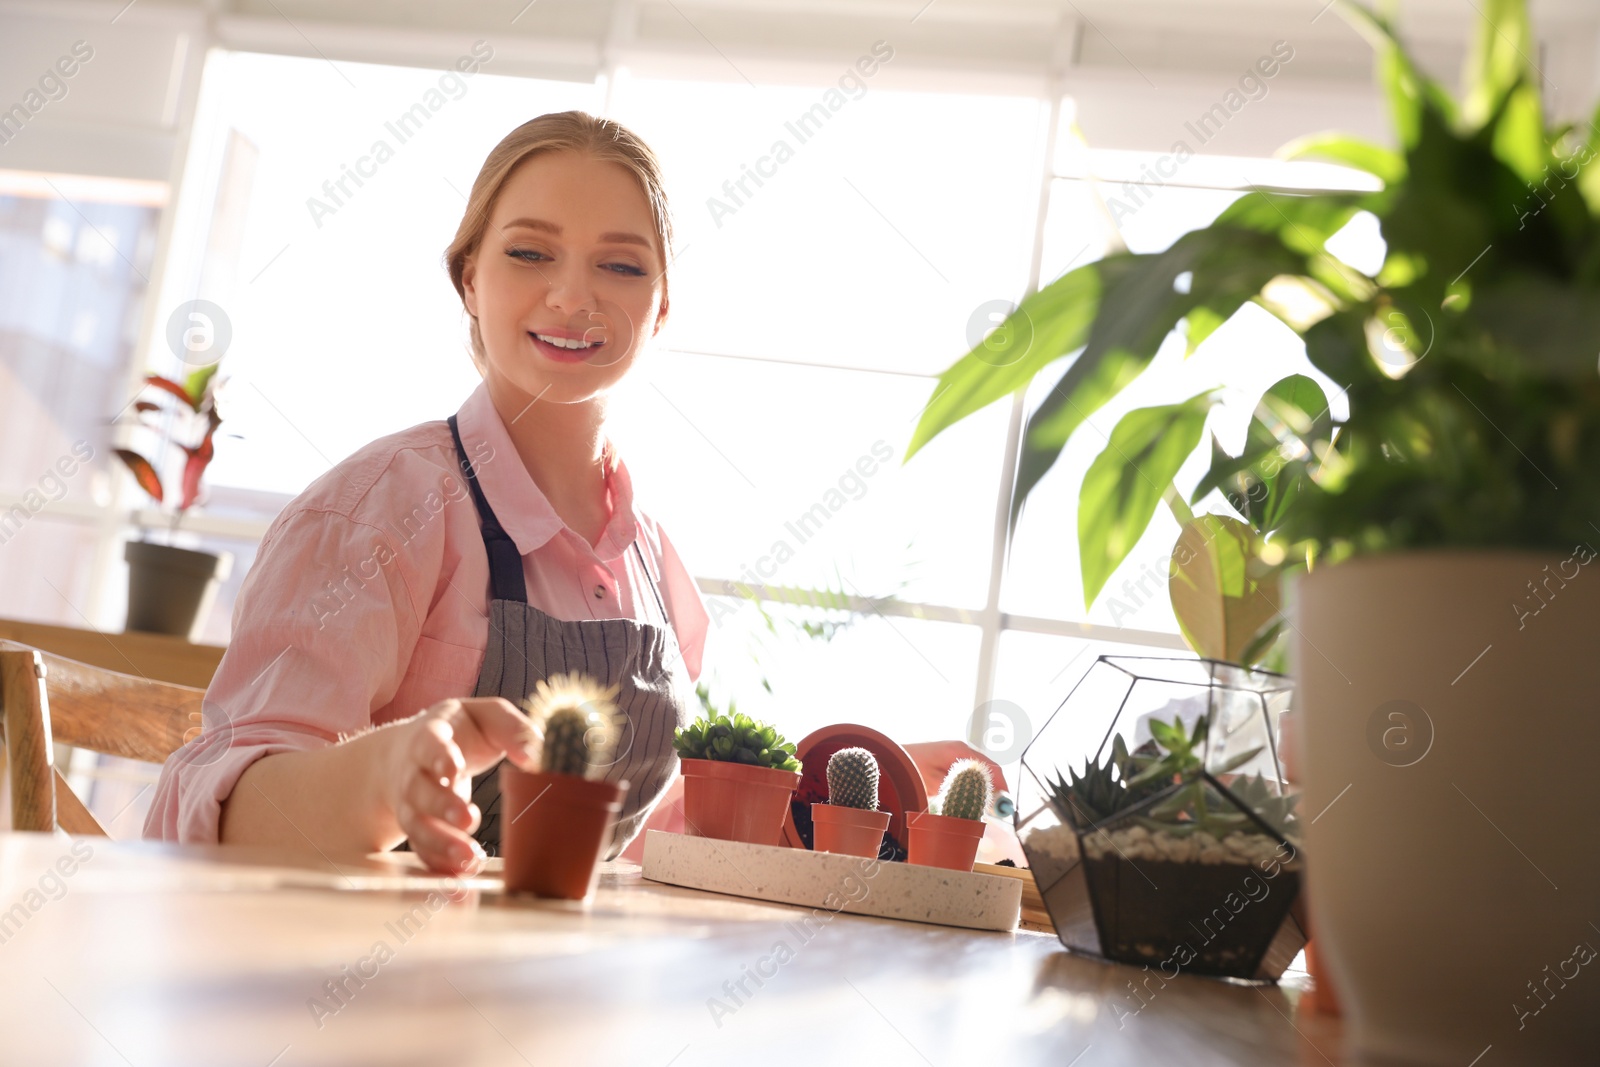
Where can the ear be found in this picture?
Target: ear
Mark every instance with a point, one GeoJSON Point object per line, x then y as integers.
{"type": "Point", "coordinates": [470, 294]}
{"type": "Point", "coordinates": [661, 315]}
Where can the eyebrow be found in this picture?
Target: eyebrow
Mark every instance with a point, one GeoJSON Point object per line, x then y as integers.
{"type": "Point", "coordinates": [605, 238]}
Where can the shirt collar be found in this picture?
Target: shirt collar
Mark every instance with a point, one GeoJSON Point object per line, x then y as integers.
{"type": "Point", "coordinates": [518, 502]}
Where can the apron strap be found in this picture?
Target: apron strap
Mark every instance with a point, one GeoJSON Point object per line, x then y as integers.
{"type": "Point", "coordinates": [666, 623]}
{"type": "Point", "coordinates": [506, 580]}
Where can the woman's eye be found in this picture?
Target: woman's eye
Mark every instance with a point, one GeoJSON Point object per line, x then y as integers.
{"type": "Point", "coordinates": [625, 268]}
{"type": "Point", "coordinates": [527, 254]}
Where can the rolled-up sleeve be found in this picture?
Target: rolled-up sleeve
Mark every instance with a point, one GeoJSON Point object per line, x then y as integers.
{"type": "Point", "coordinates": [322, 629]}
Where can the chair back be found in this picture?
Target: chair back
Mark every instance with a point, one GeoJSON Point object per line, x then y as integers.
{"type": "Point", "coordinates": [45, 697]}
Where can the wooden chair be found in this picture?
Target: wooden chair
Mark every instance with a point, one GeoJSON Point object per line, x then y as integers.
{"type": "Point", "coordinates": [45, 697]}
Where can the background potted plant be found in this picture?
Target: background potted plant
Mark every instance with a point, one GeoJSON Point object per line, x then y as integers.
{"type": "Point", "coordinates": [738, 775]}
{"type": "Point", "coordinates": [171, 589]}
{"type": "Point", "coordinates": [559, 819]}
{"type": "Point", "coordinates": [949, 838]}
{"type": "Point", "coordinates": [1448, 519]}
{"type": "Point", "coordinates": [850, 822]}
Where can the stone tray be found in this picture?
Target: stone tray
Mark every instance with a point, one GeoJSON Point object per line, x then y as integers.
{"type": "Point", "coordinates": [834, 883]}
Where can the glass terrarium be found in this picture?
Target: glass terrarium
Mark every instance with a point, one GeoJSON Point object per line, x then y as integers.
{"type": "Point", "coordinates": [1154, 814]}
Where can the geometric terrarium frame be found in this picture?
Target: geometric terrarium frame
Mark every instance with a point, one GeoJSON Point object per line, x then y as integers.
{"type": "Point", "coordinates": [1154, 814]}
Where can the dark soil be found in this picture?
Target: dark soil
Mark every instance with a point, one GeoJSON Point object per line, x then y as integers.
{"type": "Point", "coordinates": [1159, 912]}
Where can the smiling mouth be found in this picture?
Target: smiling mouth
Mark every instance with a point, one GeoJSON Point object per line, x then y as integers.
{"type": "Point", "coordinates": [566, 349]}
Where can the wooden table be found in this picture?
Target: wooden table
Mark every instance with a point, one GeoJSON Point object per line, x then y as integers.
{"type": "Point", "coordinates": [157, 955]}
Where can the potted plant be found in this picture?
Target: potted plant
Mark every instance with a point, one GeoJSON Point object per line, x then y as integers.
{"type": "Point", "coordinates": [738, 775]}
{"type": "Point", "coordinates": [949, 838]}
{"type": "Point", "coordinates": [171, 589]}
{"type": "Point", "coordinates": [1169, 856]}
{"type": "Point", "coordinates": [1448, 519]}
{"type": "Point", "coordinates": [557, 820]}
{"type": "Point", "coordinates": [850, 822]}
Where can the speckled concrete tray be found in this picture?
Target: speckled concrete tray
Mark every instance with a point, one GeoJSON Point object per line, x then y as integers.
{"type": "Point", "coordinates": [834, 883]}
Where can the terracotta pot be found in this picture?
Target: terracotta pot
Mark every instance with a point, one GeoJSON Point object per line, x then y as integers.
{"type": "Point", "coordinates": [900, 785]}
{"type": "Point", "coordinates": [943, 840]}
{"type": "Point", "coordinates": [847, 831]}
{"type": "Point", "coordinates": [735, 801]}
{"type": "Point", "coordinates": [553, 830]}
{"type": "Point", "coordinates": [1443, 698]}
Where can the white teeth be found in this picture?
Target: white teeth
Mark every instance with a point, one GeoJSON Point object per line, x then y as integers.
{"type": "Point", "coordinates": [564, 342]}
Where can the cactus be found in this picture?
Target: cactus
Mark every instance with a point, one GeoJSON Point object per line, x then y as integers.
{"type": "Point", "coordinates": [853, 779]}
{"type": "Point", "coordinates": [966, 790]}
{"type": "Point", "coordinates": [579, 720]}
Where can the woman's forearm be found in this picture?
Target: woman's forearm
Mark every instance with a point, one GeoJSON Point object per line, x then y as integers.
{"type": "Point", "coordinates": [332, 798]}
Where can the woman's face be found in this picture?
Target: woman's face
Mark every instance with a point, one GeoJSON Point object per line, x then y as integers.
{"type": "Point", "coordinates": [567, 282]}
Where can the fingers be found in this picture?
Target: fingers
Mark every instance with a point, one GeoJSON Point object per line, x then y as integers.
{"type": "Point", "coordinates": [436, 818]}
{"type": "Point", "coordinates": [427, 794]}
{"type": "Point", "coordinates": [452, 741]}
{"type": "Point", "coordinates": [441, 847]}
{"type": "Point", "coordinates": [487, 728]}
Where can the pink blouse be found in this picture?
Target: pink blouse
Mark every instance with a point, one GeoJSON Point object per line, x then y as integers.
{"type": "Point", "coordinates": [368, 602]}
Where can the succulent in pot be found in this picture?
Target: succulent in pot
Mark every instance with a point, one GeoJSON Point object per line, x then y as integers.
{"type": "Point", "coordinates": [558, 820]}
{"type": "Point", "coordinates": [850, 822]}
{"type": "Point", "coordinates": [1168, 856]}
{"type": "Point", "coordinates": [738, 775]}
{"type": "Point", "coordinates": [949, 838]}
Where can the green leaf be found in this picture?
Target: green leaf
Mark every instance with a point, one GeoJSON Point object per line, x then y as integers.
{"type": "Point", "coordinates": [1238, 760]}
{"type": "Point", "coordinates": [1200, 324]}
{"type": "Point", "coordinates": [1141, 307]}
{"type": "Point", "coordinates": [1261, 645]}
{"type": "Point", "coordinates": [1303, 222]}
{"type": "Point", "coordinates": [1498, 64]}
{"type": "Point", "coordinates": [1221, 594]}
{"type": "Point", "coordinates": [1126, 481]}
{"type": "Point", "coordinates": [1167, 736]}
{"type": "Point", "coordinates": [1407, 90]}
{"type": "Point", "coordinates": [196, 384]}
{"type": "Point", "coordinates": [1554, 327]}
{"type": "Point", "coordinates": [1384, 164]}
{"type": "Point", "coordinates": [1045, 327]}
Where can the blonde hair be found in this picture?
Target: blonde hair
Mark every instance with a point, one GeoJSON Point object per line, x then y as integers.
{"type": "Point", "coordinates": [574, 131]}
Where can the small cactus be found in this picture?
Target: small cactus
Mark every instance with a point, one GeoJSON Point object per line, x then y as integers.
{"type": "Point", "coordinates": [579, 721]}
{"type": "Point", "coordinates": [966, 790]}
{"type": "Point", "coordinates": [853, 779]}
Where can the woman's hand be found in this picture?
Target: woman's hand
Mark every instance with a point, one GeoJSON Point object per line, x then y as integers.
{"type": "Point", "coordinates": [428, 782]}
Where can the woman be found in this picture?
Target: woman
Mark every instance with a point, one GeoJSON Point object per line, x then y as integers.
{"type": "Point", "coordinates": [476, 555]}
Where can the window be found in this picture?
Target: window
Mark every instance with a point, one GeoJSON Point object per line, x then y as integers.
{"type": "Point", "coordinates": [817, 293]}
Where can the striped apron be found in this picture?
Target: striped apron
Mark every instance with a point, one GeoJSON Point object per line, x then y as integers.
{"type": "Point", "coordinates": [526, 646]}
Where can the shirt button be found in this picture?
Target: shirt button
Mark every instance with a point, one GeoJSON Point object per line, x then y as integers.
{"type": "Point", "coordinates": [599, 592]}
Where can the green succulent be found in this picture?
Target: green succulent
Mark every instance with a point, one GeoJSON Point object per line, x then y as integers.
{"type": "Point", "coordinates": [1173, 755]}
{"type": "Point", "coordinates": [853, 779]}
{"type": "Point", "coordinates": [734, 738]}
{"type": "Point", "coordinates": [1100, 791]}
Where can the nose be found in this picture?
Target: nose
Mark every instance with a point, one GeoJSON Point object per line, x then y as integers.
{"type": "Point", "coordinates": [571, 291]}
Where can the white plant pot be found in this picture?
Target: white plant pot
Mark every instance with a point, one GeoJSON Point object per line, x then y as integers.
{"type": "Point", "coordinates": [1449, 726]}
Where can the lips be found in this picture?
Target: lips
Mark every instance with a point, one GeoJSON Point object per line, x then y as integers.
{"type": "Point", "coordinates": [560, 354]}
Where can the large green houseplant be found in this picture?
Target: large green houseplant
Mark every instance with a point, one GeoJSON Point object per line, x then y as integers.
{"type": "Point", "coordinates": [1443, 639]}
